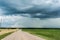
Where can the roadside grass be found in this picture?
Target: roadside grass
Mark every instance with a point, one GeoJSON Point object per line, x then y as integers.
{"type": "Point", "coordinates": [49, 34]}
{"type": "Point", "coordinates": [4, 35]}
{"type": "Point", "coordinates": [8, 32]}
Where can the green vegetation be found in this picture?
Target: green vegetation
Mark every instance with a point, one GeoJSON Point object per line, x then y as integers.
{"type": "Point", "coordinates": [4, 35]}
{"type": "Point", "coordinates": [50, 34]}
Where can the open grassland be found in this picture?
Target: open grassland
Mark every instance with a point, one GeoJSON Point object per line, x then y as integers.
{"type": "Point", "coordinates": [49, 34]}
{"type": "Point", "coordinates": [5, 32]}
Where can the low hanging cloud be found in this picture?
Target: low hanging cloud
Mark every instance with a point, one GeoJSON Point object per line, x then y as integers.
{"type": "Point", "coordinates": [26, 22]}
{"type": "Point", "coordinates": [9, 21]}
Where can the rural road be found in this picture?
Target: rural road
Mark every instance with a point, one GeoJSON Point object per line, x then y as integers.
{"type": "Point", "coordinates": [21, 35]}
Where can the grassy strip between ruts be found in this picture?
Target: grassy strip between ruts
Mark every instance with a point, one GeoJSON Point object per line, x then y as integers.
{"type": "Point", "coordinates": [4, 35]}
{"type": "Point", "coordinates": [49, 34]}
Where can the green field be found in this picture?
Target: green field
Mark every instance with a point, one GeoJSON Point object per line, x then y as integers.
{"type": "Point", "coordinates": [49, 34]}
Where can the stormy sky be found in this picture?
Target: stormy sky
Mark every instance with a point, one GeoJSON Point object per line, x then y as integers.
{"type": "Point", "coordinates": [30, 13]}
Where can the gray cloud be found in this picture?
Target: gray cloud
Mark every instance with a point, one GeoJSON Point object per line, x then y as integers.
{"type": "Point", "coordinates": [48, 8]}
{"type": "Point", "coordinates": [40, 13]}
{"type": "Point", "coordinates": [26, 22]}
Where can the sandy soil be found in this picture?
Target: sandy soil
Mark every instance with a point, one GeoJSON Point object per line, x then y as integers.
{"type": "Point", "coordinates": [21, 35]}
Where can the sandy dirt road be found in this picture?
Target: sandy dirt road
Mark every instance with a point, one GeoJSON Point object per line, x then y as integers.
{"type": "Point", "coordinates": [21, 35]}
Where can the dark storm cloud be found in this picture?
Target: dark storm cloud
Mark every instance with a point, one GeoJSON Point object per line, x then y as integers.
{"type": "Point", "coordinates": [33, 11]}
{"type": "Point", "coordinates": [47, 8]}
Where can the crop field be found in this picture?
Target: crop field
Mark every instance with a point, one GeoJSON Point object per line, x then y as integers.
{"type": "Point", "coordinates": [5, 32]}
{"type": "Point", "coordinates": [49, 34]}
